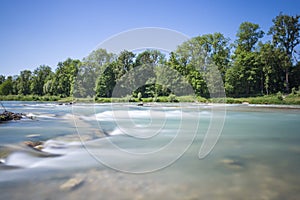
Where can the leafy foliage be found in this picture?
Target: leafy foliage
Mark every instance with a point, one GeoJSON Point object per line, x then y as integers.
{"type": "Point", "coordinates": [198, 68]}
{"type": "Point", "coordinates": [286, 36]}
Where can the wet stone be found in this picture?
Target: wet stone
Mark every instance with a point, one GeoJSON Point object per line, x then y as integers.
{"type": "Point", "coordinates": [233, 163]}
{"type": "Point", "coordinates": [72, 184]}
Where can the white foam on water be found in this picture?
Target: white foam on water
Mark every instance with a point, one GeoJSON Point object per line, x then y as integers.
{"type": "Point", "coordinates": [66, 153]}
{"type": "Point", "coordinates": [41, 105]}
{"type": "Point", "coordinates": [141, 125]}
{"type": "Point", "coordinates": [21, 159]}
{"type": "Point", "coordinates": [117, 131]}
{"type": "Point", "coordinates": [60, 147]}
{"type": "Point", "coordinates": [139, 114]}
{"type": "Point", "coordinates": [205, 113]}
{"type": "Point", "coordinates": [116, 115]}
{"type": "Point", "coordinates": [41, 115]}
{"type": "Point", "coordinates": [105, 116]}
{"type": "Point", "coordinates": [173, 113]}
{"type": "Point", "coordinates": [31, 115]}
{"type": "Point", "coordinates": [67, 116]}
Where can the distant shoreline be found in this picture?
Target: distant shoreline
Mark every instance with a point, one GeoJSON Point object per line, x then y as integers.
{"type": "Point", "coordinates": [262, 100]}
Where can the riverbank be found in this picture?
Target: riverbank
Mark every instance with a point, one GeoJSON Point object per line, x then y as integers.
{"type": "Point", "coordinates": [291, 99]}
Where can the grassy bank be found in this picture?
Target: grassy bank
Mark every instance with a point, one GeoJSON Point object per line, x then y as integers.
{"type": "Point", "coordinates": [292, 99]}
{"type": "Point", "coordinates": [171, 98]}
{"type": "Point", "coordinates": [270, 99]}
{"type": "Point", "coordinates": [29, 98]}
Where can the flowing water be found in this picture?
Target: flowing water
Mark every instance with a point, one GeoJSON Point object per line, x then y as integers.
{"type": "Point", "coordinates": [122, 151]}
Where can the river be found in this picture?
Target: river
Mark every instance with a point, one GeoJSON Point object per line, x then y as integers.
{"type": "Point", "coordinates": [124, 151]}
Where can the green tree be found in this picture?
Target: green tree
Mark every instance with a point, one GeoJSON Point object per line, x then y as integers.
{"type": "Point", "coordinates": [189, 60]}
{"type": "Point", "coordinates": [271, 58]}
{"type": "Point", "coordinates": [150, 57]}
{"type": "Point", "coordinates": [144, 75]}
{"type": "Point", "coordinates": [47, 88]}
{"type": "Point", "coordinates": [6, 87]}
{"type": "Point", "coordinates": [244, 77]}
{"type": "Point", "coordinates": [90, 70]}
{"type": "Point", "coordinates": [187, 72]}
{"type": "Point", "coordinates": [23, 82]}
{"type": "Point", "coordinates": [2, 79]}
{"type": "Point", "coordinates": [106, 81]}
{"type": "Point", "coordinates": [248, 36]}
{"type": "Point", "coordinates": [124, 63]}
{"type": "Point", "coordinates": [197, 58]}
{"type": "Point", "coordinates": [65, 77]}
{"type": "Point", "coordinates": [286, 35]}
{"type": "Point", "coordinates": [39, 78]}
{"type": "Point", "coordinates": [216, 48]}
{"type": "Point", "coordinates": [295, 76]}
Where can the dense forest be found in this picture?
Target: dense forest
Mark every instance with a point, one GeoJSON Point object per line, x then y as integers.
{"type": "Point", "coordinates": [249, 66]}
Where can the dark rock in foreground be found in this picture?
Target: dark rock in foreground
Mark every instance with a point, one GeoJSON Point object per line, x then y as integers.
{"type": "Point", "coordinates": [7, 116]}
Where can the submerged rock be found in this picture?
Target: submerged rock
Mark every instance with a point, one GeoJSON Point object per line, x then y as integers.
{"type": "Point", "coordinates": [38, 145]}
{"type": "Point", "coordinates": [72, 184]}
{"type": "Point", "coordinates": [34, 149]}
{"type": "Point", "coordinates": [4, 152]}
{"type": "Point", "coordinates": [28, 147]}
{"type": "Point", "coordinates": [232, 163]}
{"type": "Point", "coordinates": [66, 103]}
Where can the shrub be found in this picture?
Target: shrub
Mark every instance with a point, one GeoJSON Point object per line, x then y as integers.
{"type": "Point", "coordinates": [172, 98]}
{"type": "Point", "coordinates": [279, 96]}
{"type": "Point", "coordinates": [139, 96]}
{"type": "Point", "coordinates": [294, 91]}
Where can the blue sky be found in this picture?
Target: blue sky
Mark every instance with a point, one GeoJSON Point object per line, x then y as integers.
{"type": "Point", "coordinates": [36, 32]}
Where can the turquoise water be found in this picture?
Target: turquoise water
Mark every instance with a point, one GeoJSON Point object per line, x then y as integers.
{"type": "Point", "coordinates": [152, 152]}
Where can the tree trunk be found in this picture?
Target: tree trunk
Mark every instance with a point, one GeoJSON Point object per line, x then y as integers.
{"type": "Point", "coordinates": [287, 88]}
{"type": "Point", "coordinates": [261, 83]}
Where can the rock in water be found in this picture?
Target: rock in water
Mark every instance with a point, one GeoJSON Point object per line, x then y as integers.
{"type": "Point", "coordinates": [7, 116]}
{"type": "Point", "coordinates": [34, 144]}
{"type": "Point", "coordinates": [233, 164]}
{"type": "Point", "coordinates": [140, 104]}
{"type": "Point", "coordinates": [72, 184]}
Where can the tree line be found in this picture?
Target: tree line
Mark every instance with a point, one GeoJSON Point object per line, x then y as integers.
{"type": "Point", "coordinates": [249, 66]}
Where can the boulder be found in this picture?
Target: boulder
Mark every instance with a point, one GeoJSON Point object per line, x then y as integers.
{"type": "Point", "coordinates": [37, 145]}
{"type": "Point", "coordinates": [7, 116]}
